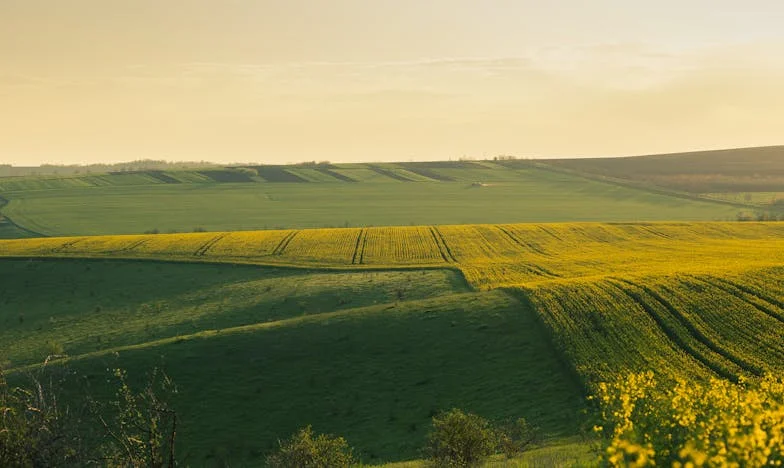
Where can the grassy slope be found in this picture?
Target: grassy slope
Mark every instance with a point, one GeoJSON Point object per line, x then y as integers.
{"type": "Point", "coordinates": [9, 230]}
{"type": "Point", "coordinates": [734, 170]}
{"type": "Point", "coordinates": [523, 195]}
{"type": "Point", "coordinates": [374, 370]}
{"type": "Point", "coordinates": [85, 300]}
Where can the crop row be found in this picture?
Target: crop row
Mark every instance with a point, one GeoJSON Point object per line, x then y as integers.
{"type": "Point", "coordinates": [678, 326]}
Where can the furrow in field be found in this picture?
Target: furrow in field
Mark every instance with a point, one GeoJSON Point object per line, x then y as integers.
{"type": "Point", "coordinates": [754, 292]}
{"type": "Point", "coordinates": [696, 332]}
{"type": "Point", "coordinates": [323, 246]}
{"type": "Point", "coordinates": [401, 245]}
{"type": "Point", "coordinates": [131, 246]}
{"type": "Point", "coordinates": [525, 245]}
{"type": "Point", "coordinates": [446, 253]}
{"type": "Point", "coordinates": [281, 247]}
{"type": "Point", "coordinates": [207, 245]}
{"type": "Point", "coordinates": [678, 333]}
{"type": "Point", "coordinates": [67, 245]}
{"type": "Point", "coordinates": [359, 247]}
{"type": "Point", "coordinates": [746, 295]}
{"type": "Point", "coordinates": [739, 327]}
{"type": "Point", "coordinates": [603, 331]}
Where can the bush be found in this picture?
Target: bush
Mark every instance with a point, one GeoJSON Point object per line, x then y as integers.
{"type": "Point", "coordinates": [305, 450]}
{"type": "Point", "coordinates": [145, 426]}
{"type": "Point", "coordinates": [515, 437]}
{"type": "Point", "coordinates": [460, 439]}
{"type": "Point", "coordinates": [34, 429]}
{"type": "Point", "coordinates": [37, 430]}
{"type": "Point", "coordinates": [715, 423]}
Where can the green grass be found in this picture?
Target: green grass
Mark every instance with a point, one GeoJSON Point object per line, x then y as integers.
{"type": "Point", "coordinates": [560, 453]}
{"type": "Point", "coordinates": [85, 300]}
{"type": "Point", "coordinates": [9, 230]}
{"type": "Point", "coordinates": [344, 352]}
{"type": "Point", "coordinates": [524, 195]}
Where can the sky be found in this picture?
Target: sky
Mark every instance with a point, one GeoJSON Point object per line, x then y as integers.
{"type": "Point", "coordinates": [277, 81]}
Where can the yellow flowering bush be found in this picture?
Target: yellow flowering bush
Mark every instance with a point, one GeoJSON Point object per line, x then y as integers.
{"type": "Point", "coordinates": [692, 424]}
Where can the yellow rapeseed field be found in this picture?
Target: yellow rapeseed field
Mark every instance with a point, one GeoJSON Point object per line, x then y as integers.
{"type": "Point", "coordinates": [490, 256]}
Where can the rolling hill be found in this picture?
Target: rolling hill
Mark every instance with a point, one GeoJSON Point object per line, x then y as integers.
{"type": "Point", "coordinates": [732, 170]}
{"type": "Point", "coordinates": [314, 196]}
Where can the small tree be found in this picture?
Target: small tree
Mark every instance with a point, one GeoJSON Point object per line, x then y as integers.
{"type": "Point", "coordinates": [460, 439]}
{"type": "Point", "coordinates": [305, 450]}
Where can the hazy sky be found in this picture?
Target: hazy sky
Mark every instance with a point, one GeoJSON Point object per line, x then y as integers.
{"type": "Point", "coordinates": [355, 80]}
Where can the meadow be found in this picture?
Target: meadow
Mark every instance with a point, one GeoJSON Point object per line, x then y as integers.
{"type": "Point", "coordinates": [367, 332]}
{"type": "Point", "coordinates": [355, 195]}
{"type": "Point", "coordinates": [258, 352]}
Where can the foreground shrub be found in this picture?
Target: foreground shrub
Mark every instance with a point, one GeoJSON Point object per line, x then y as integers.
{"type": "Point", "coordinates": [34, 429]}
{"type": "Point", "coordinates": [37, 430]}
{"type": "Point", "coordinates": [717, 423]}
{"type": "Point", "coordinates": [460, 439]}
{"type": "Point", "coordinates": [144, 429]}
{"type": "Point", "coordinates": [305, 450]}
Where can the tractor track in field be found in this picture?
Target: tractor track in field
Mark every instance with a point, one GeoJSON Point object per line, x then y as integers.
{"type": "Point", "coordinates": [745, 296]}
{"type": "Point", "coordinates": [67, 245]}
{"type": "Point", "coordinates": [201, 251]}
{"type": "Point", "coordinates": [656, 233]}
{"type": "Point", "coordinates": [359, 248]}
{"type": "Point", "coordinates": [281, 247]}
{"type": "Point", "coordinates": [446, 252]}
{"type": "Point", "coordinates": [520, 242]}
{"type": "Point", "coordinates": [753, 292]}
{"type": "Point", "coordinates": [696, 333]}
{"type": "Point", "coordinates": [133, 246]}
{"type": "Point", "coordinates": [674, 335]}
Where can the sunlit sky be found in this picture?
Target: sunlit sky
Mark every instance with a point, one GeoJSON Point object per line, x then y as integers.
{"type": "Point", "coordinates": [85, 81]}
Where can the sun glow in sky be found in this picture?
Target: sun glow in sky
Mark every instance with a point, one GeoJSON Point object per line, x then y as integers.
{"type": "Point", "coordinates": [272, 81]}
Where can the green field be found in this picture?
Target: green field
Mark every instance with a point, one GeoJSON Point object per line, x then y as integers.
{"type": "Point", "coordinates": [258, 352]}
{"type": "Point", "coordinates": [469, 193]}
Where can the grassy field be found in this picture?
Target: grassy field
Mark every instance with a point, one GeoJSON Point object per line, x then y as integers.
{"type": "Point", "coordinates": [258, 352]}
{"type": "Point", "coordinates": [414, 194]}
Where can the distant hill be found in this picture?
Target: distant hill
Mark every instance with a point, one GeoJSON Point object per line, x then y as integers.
{"type": "Point", "coordinates": [732, 170]}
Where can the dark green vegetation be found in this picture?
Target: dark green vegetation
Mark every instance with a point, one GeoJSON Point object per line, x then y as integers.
{"type": "Point", "coordinates": [734, 170]}
{"type": "Point", "coordinates": [258, 353]}
{"type": "Point", "coordinates": [322, 195]}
